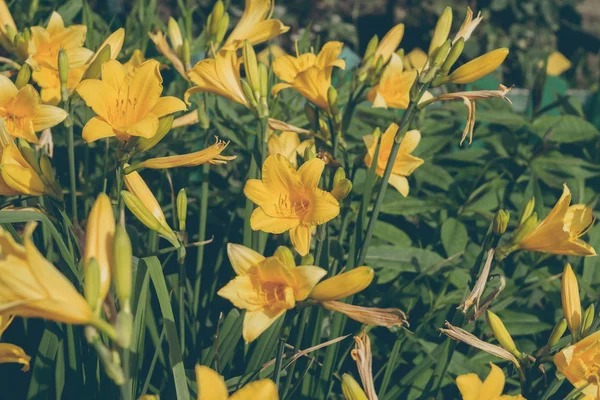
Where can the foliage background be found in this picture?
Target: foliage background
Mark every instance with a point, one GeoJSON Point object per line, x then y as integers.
{"type": "Point", "coordinates": [425, 244]}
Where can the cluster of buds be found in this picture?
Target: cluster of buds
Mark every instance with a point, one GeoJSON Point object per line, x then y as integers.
{"type": "Point", "coordinates": [181, 46]}
{"type": "Point", "coordinates": [528, 220]}
{"type": "Point", "coordinates": [378, 54]}
{"type": "Point", "coordinates": [256, 84]}
{"type": "Point", "coordinates": [216, 25]}
{"type": "Point", "coordinates": [20, 41]}
{"type": "Point", "coordinates": [23, 76]}
{"type": "Point", "coordinates": [43, 167]}
{"type": "Point", "coordinates": [342, 186]}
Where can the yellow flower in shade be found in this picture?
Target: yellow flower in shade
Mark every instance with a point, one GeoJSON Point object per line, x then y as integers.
{"type": "Point", "coordinates": [560, 231]}
{"type": "Point", "coordinates": [472, 388]}
{"type": "Point", "coordinates": [137, 58]}
{"type": "Point", "coordinates": [290, 199]}
{"type": "Point", "coordinates": [266, 287]}
{"type": "Point", "coordinates": [343, 285]}
{"type": "Point", "coordinates": [308, 74]}
{"type": "Point", "coordinates": [579, 364]}
{"type": "Point", "coordinates": [570, 300]}
{"type": "Point", "coordinates": [389, 44]}
{"type": "Point", "coordinates": [17, 176]}
{"type": "Point", "coordinates": [160, 41]}
{"type": "Point", "coordinates": [6, 19]}
{"type": "Point", "coordinates": [127, 104]}
{"type": "Point", "coordinates": [10, 353]}
{"type": "Point", "coordinates": [30, 286]}
{"type": "Point", "coordinates": [405, 163]}
{"type": "Point", "coordinates": [557, 64]}
{"type": "Point", "coordinates": [220, 75]}
{"type": "Point", "coordinates": [256, 25]}
{"type": "Point", "coordinates": [99, 234]}
{"type": "Point", "coordinates": [352, 389]}
{"type": "Point", "coordinates": [272, 51]}
{"type": "Point", "coordinates": [394, 86]}
{"type": "Point", "coordinates": [142, 203]}
{"type": "Point", "coordinates": [286, 144]}
{"type": "Point", "coordinates": [23, 112]}
{"type": "Point", "coordinates": [46, 42]}
{"type": "Point", "coordinates": [211, 155]}
{"type": "Point", "coordinates": [211, 386]}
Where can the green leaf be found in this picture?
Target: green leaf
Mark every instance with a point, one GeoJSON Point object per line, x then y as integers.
{"type": "Point", "coordinates": [564, 129]}
{"type": "Point", "coordinates": [391, 234]}
{"type": "Point", "coordinates": [454, 236]}
{"type": "Point", "coordinates": [42, 370]}
{"type": "Point", "coordinates": [411, 206]}
{"type": "Point", "coordinates": [410, 259]}
{"type": "Point", "coordinates": [164, 301]}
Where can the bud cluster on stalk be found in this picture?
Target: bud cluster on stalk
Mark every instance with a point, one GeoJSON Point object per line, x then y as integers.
{"type": "Point", "coordinates": [42, 166]}
{"type": "Point", "coordinates": [216, 25]}
{"type": "Point", "coordinates": [256, 84]}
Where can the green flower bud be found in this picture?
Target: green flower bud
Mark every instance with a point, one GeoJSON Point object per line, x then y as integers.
{"type": "Point", "coordinates": [523, 229]}
{"type": "Point", "coordinates": [91, 284]}
{"type": "Point", "coordinates": [223, 26]}
{"type": "Point", "coordinates": [249, 93]}
{"type": "Point", "coordinates": [501, 334]}
{"type": "Point", "coordinates": [440, 54]}
{"type": "Point", "coordinates": [63, 67]}
{"type": "Point", "coordinates": [332, 98]}
{"type": "Point", "coordinates": [122, 274]}
{"type": "Point", "coordinates": [342, 189]}
{"type": "Point", "coordinates": [308, 154]}
{"type": "Point", "coordinates": [11, 33]}
{"type": "Point", "coordinates": [527, 210]}
{"type": "Point", "coordinates": [370, 51]}
{"type": "Point", "coordinates": [23, 76]}
{"type": "Point", "coordinates": [557, 332]}
{"type": "Point", "coordinates": [215, 18]}
{"type": "Point", "coordinates": [182, 202]}
{"type": "Point", "coordinates": [311, 115]}
{"type": "Point", "coordinates": [264, 80]}
{"type": "Point", "coordinates": [588, 319]}
{"type": "Point", "coordinates": [285, 255]}
{"type": "Point", "coordinates": [29, 155]}
{"type": "Point", "coordinates": [48, 174]}
{"type": "Point", "coordinates": [124, 328]}
{"type": "Point", "coordinates": [455, 52]}
{"type": "Point", "coordinates": [500, 222]}
{"type": "Point", "coordinates": [340, 174]}
{"type": "Point", "coordinates": [352, 389]}
{"type": "Point", "coordinates": [164, 126]}
{"type": "Point", "coordinates": [186, 53]}
{"type": "Point", "coordinates": [95, 68]}
{"type": "Point", "coordinates": [308, 259]}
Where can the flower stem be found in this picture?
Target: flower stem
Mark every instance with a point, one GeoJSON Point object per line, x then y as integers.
{"type": "Point", "coordinates": [72, 172]}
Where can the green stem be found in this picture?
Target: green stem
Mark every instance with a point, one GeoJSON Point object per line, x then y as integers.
{"type": "Point", "coordinates": [72, 172]}
{"type": "Point", "coordinates": [181, 287]}
{"type": "Point", "coordinates": [201, 234]}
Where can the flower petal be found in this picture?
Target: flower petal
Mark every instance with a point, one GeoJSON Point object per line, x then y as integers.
{"type": "Point", "coordinates": [144, 88]}
{"type": "Point", "coordinates": [9, 353]}
{"type": "Point", "coordinates": [96, 128]}
{"type": "Point", "coordinates": [97, 95]}
{"type": "Point", "coordinates": [307, 277]}
{"type": "Point", "coordinates": [300, 237]}
{"type": "Point", "coordinates": [400, 183]}
{"type": "Point", "coordinates": [145, 127]}
{"type": "Point", "coordinates": [323, 207]}
{"type": "Point", "coordinates": [167, 105]}
{"type": "Point", "coordinates": [260, 221]}
{"type": "Point", "coordinates": [262, 389]}
{"type": "Point", "coordinates": [113, 75]}
{"type": "Point", "coordinates": [211, 385]}
{"type": "Point", "coordinates": [48, 117]}
{"type": "Point", "coordinates": [242, 293]}
{"type": "Point", "coordinates": [258, 321]}
{"type": "Point", "coordinates": [242, 258]}
{"type": "Point", "coordinates": [8, 90]}
{"type": "Point", "coordinates": [470, 386]}
{"type": "Point", "coordinates": [494, 383]}
{"type": "Point", "coordinates": [310, 173]}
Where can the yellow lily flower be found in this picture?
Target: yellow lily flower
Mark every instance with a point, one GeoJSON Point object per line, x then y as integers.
{"type": "Point", "coordinates": [100, 231]}
{"type": "Point", "coordinates": [10, 353]}
{"type": "Point", "coordinates": [211, 386]}
{"type": "Point", "coordinates": [211, 155]}
{"type": "Point", "coordinates": [343, 285]}
{"type": "Point", "coordinates": [579, 364]}
{"type": "Point", "coordinates": [127, 104]}
{"type": "Point", "coordinates": [560, 231]}
{"type": "Point", "coordinates": [266, 287]}
{"type": "Point", "coordinates": [46, 42]}
{"type": "Point", "coordinates": [6, 19]}
{"type": "Point", "coordinates": [308, 74]}
{"type": "Point", "coordinates": [472, 388]}
{"type": "Point", "coordinates": [256, 25]}
{"type": "Point", "coordinates": [30, 286]}
{"type": "Point", "coordinates": [142, 203]}
{"type": "Point", "coordinates": [405, 163]}
{"type": "Point", "coordinates": [160, 41]}
{"type": "Point", "coordinates": [557, 64]}
{"type": "Point", "coordinates": [290, 199]}
{"type": "Point", "coordinates": [17, 176]}
{"type": "Point", "coordinates": [220, 76]}
{"type": "Point", "coordinates": [394, 86]}
{"type": "Point", "coordinates": [389, 44]}
{"type": "Point", "coordinates": [570, 300]}
{"type": "Point", "coordinates": [286, 144]}
{"type": "Point", "coordinates": [24, 112]}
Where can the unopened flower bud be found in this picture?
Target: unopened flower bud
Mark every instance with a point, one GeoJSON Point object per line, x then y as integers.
{"type": "Point", "coordinates": [63, 67]}
{"type": "Point", "coordinates": [588, 319]}
{"type": "Point", "coordinates": [571, 301]}
{"type": "Point", "coordinates": [527, 210]}
{"type": "Point", "coordinates": [48, 173]}
{"type": "Point", "coordinates": [285, 255]}
{"type": "Point", "coordinates": [164, 126]}
{"type": "Point", "coordinates": [332, 99]}
{"type": "Point", "coordinates": [343, 285]}
{"type": "Point", "coordinates": [500, 222]}
{"type": "Point", "coordinates": [311, 115]}
{"type": "Point", "coordinates": [557, 332]}
{"type": "Point", "coordinates": [308, 154]}
{"type": "Point", "coordinates": [479, 67]}
{"type": "Point", "coordinates": [122, 264]}
{"type": "Point", "coordinates": [23, 76]}
{"type": "Point", "coordinates": [501, 334]}
{"type": "Point", "coordinates": [371, 47]}
{"type": "Point", "coordinates": [264, 80]}
{"type": "Point", "coordinates": [455, 52]}
{"type": "Point", "coordinates": [249, 94]}
{"type": "Point", "coordinates": [523, 229]}
{"type": "Point", "coordinates": [352, 389]}
{"type": "Point", "coordinates": [215, 17]}
{"type": "Point", "coordinates": [95, 68]}
{"type": "Point", "coordinates": [91, 284]}
{"type": "Point", "coordinates": [340, 174]}
{"type": "Point", "coordinates": [442, 30]}
{"type": "Point", "coordinates": [186, 54]}
{"type": "Point", "coordinates": [342, 189]}
{"type": "Point", "coordinates": [440, 54]}
{"type": "Point", "coordinates": [251, 67]}
{"type": "Point", "coordinates": [124, 328]}
{"type": "Point", "coordinates": [11, 33]}
{"type": "Point", "coordinates": [182, 203]}
{"type": "Point", "coordinates": [308, 259]}
{"type": "Point", "coordinates": [175, 36]}
{"type": "Point", "coordinates": [223, 26]}
{"type": "Point", "coordinates": [29, 155]}
{"type": "Point", "coordinates": [141, 212]}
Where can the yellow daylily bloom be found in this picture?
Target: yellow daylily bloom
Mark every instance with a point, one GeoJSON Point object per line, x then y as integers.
{"type": "Point", "coordinates": [557, 64]}
{"type": "Point", "coordinates": [24, 113]}
{"type": "Point", "coordinates": [266, 286]}
{"type": "Point", "coordinates": [10, 353]}
{"type": "Point", "coordinates": [286, 144]}
{"type": "Point", "coordinates": [405, 163]}
{"type": "Point", "coordinates": [99, 234]}
{"type": "Point", "coordinates": [389, 44]}
{"type": "Point", "coordinates": [308, 74]}
{"type": "Point", "coordinates": [570, 300]}
{"type": "Point", "coordinates": [30, 286]}
{"type": "Point", "coordinates": [560, 231]}
{"type": "Point", "coordinates": [211, 386]}
{"type": "Point", "coordinates": [472, 388]}
{"type": "Point", "coordinates": [142, 203]}
{"type": "Point", "coordinates": [255, 25]}
{"type": "Point", "coordinates": [211, 155]}
{"type": "Point", "coordinates": [127, 104]}
{"type": "Point", "coordinates": [579, 364]}
{"type": "Point", "coordinates": [290, 200]}
{"type": "Point", "coordinates": [137, 58]}
{"type": "Point", "coordinates": [343, 285]}
{"type": "Point", "coordinates": [46, 42]}
{"type": "Point", "coordinates": [394, 86]}
{"type": "Point", "coordinates": [478, 67]}
{"type": "Point", "coordinates": [352, 389]}
{"type": "Point", "coordinates": [220, 76]}
{"type": "Point", "coordinates": [6, 19]}
{"type": "Point", "coordinates": [160, 41]}
{"type": "Point", "coordinates": [17, 176]}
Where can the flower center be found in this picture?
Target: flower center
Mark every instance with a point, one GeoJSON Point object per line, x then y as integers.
{"type": "Point", "coordinates": [290, 207]}
{"type": "Point", "coordinates": [122, 111]}
{"type": "Point", "coordinates": [277, 295]}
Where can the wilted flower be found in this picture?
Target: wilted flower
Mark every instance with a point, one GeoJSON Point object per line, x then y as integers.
{"type": "Point", "coordinates": [286, 144]}
{"type": "Point", "coordinates": [468, 26]}
{"type": "Point", "coordinates": [127, 104]}
{"type": "Point", "coordinates": [472, 388]}
{"type": "Point", "coordinates": [363, 357]}
{"type": "Point", "coordinates": [266, 287]}
{"type": "Point", "coordinates": [579, 364]}
{"type": "Point", "coordinates": [560, 231]}
{"type": "Point", "coordinates": [160, 41]}
{"type": "Point", "coordinates": [10, 353]}
{"type": "Point", "coordinates": [211, 386]}
{"type": "Point", "coordinates": [290, 199]}
{"type": "Point", "coordinates": [405, 163]}
{"type": "Point", "coordinates": [256, 25]}
{"type": "Point", "coordinates": [394, 85]}
{"type": "Point", "coordinates": [308, 74]}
